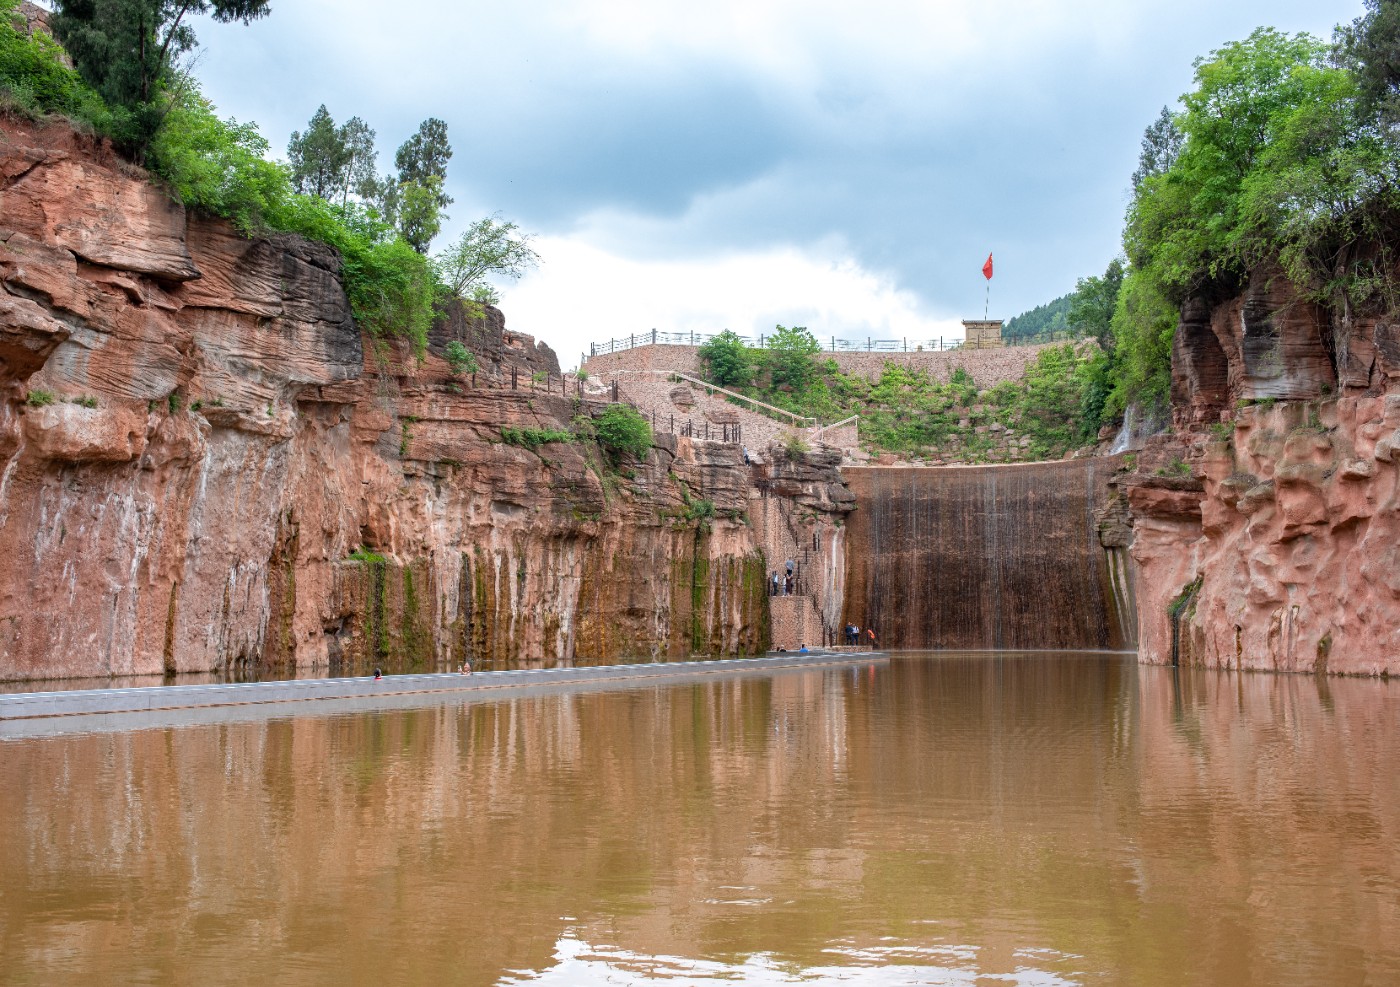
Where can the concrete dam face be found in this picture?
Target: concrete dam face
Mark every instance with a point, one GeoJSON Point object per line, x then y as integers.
{"type": "Point", "coordinates": [986, 557]}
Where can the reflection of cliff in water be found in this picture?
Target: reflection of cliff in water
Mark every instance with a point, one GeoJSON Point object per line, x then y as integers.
{"type": "Point", "coordinates": [986, 557]}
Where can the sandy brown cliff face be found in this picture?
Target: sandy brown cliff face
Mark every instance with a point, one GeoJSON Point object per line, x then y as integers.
{"type": "Point", "coordinates": [1282, 551]}
{"type": "Point", "coordinates": [221, 440]}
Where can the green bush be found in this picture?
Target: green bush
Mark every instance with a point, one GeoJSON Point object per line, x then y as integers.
{"type": "Point", "coordinates": [622, 431]}
{"type": "Point", "coordinates": [460, 360]}
{"type": "Point", "coordinates": [40, 398]}
{"type": "Point", "coordinates": [34, 81]}
{"type": "Point", "coordinates": [217, 167]}
{"type": "Point", "coordinates": [533, 438]}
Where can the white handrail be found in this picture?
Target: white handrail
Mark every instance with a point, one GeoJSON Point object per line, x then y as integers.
{"type": "Point", "coordinates": [826, 428]}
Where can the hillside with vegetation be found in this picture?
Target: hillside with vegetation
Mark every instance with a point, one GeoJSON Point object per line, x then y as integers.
{"type": "Point", "coordinates": [1043, 320]}
{"type": "Point", "coordinates": [911, 412]}
{"type": "Point", "coordinates": [115, 70]}
{"type": "Point", "coordinates": [1284, 156]}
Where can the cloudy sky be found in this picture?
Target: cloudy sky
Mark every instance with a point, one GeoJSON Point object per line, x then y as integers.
{"type": "Point", "coordinates": [741, 163]}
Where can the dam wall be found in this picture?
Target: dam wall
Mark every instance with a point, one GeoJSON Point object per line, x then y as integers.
{"type": "Point", "coordinates": [987, 557]}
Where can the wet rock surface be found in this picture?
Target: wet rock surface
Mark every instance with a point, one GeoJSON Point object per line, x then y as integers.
{"type": "Point", "coordinates": [205, 465]}
{"type": "Point", "coordinates": [1280, 551]}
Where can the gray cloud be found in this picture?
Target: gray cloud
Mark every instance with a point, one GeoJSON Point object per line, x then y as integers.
{"type": "Point", "coordinates": [1023, 149]}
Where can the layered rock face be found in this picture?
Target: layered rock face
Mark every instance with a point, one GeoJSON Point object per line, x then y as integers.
{"type": "Point", "coordinates": [1283, 550]}
{"type": "Point", "coordinates": [203, 465]}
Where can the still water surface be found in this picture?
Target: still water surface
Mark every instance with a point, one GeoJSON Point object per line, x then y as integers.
{"type": "Point", "coordinates": [946, 819]}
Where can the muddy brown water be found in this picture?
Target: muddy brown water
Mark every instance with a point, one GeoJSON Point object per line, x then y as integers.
{"type": "Point", "coordinates": [948, 818]}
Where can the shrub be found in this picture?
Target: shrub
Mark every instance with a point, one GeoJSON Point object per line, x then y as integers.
{"type": "Point", "coordinates": [34, 81]}
{"type": "Point", "coordinates": [460, 360]}
{"type": "Point", "coordinates": [795, 445]}
{"type": "Point", "coordinates": [622, 431]}
{"type": "Point", "coordinates": [363, 554]}
{"type": "Point", "coordinates": [217, 167]}
{"type": "Point", "coordinates": [39, 398]}
{"type": "Point", "coordinates": [533, 438]}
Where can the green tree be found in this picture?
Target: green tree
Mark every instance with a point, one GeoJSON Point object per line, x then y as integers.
{"type": "Point", "coordinates": [35, 79]}
{"type": "Point", "coordinates": [1187, 227]}
{"type": "Point", "coordinates": [1093, 303]}
{"type": "Point", "coordinates": [1144, 324]}
{"type": "Point", "coordinates": [791, 357]}
{"type": "Point", "coordinates": [319, 157]}
{"type": "Point", "coordinates": [419, 213]}
{"type": "Point", "coordinates": [417, 201]}
{"type": "Point", "coordinates": [130, 50]}
{"type": "Point", "coordinates": [360, 176]}
{"type": "Point", "coordinates": [727, 360]}
{"type": "Point", "coordinates": [423, 158]}
{"type": "Point", "coordinates": [489, 246]}
{"type": "Point", "coordinates": [1161, 146]}
{"type": "Point", "coordinates": [1370, 46]}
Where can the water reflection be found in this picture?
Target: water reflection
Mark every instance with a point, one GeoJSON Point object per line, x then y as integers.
{"type": "Point", "coordinates": [949, 818]}
{"type": "Point", "coordinates": [578, 964]}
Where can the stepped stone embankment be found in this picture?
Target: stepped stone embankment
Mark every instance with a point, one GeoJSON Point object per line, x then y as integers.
{"type": "Point", "coordinates": [204, 464]}
{"type": "Point", "coordinates": [1282, 550]}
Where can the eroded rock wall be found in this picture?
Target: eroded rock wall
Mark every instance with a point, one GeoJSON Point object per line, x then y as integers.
{"type": "Point", "coordinates": [203, 464]}
{"type": "Point", "coordinates": [1281, 550]}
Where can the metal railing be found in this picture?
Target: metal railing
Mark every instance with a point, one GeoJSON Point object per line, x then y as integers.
{"type": "Point", "coordinates": [816, 435]}
{"type": "Point", "coordinates": [830, 344]}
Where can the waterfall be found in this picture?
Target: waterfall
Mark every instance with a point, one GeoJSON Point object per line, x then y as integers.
{"type": "Point", "coordinates": [1123, 441]}
{"type": "Point", "coordinates": [985, 557]}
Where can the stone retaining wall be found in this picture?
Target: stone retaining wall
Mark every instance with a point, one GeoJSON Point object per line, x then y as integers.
{"type": "Point", "coordinates": [988, 367]}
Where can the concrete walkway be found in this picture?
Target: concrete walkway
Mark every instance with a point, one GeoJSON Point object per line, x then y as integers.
{"type": "Point", "coordinates": [33, 714]}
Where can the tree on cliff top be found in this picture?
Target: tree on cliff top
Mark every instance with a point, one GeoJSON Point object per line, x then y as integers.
{"type": "Point", "coordinates": [1370, 46]}
{"type": "Point", "coordinates": [129, 50]}
{"type": "Point", "coordinates": [728, 361]}
{"type": "Point", "coordinates": [1281, 163]}
{"type": "Point", "coordinates": [489, 246]}
{"type": "Point", "coordinates": [318, 157]}
{"type": "Point", "coordinates": [790, 358]}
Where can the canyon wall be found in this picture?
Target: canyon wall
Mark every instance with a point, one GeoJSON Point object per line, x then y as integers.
{"type": "Point", "coordinates": [205, 466]}
{"type": "Point", "coordinates": [987, 557]}
{"type": "Point", "coordinates": [1281, 550]}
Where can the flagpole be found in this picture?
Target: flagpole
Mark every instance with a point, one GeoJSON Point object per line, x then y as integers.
{"type": "Point", "coordinates": [988, 307]}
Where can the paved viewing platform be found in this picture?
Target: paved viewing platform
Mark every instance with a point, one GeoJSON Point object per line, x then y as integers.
{"type": "Point", "coordinates": [103, 710]}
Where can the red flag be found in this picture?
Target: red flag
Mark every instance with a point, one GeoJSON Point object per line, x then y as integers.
{"type": "Point", "coordinates": [987, 268]}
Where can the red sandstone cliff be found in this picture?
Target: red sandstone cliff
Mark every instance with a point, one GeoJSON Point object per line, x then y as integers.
{"type": "Point", "coordinates": [222, 440]}
{"type": "Point", "coordinates": [1283, 550]}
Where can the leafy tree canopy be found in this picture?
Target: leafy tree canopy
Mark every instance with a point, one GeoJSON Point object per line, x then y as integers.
{"type": "Point", "coordinates": [129, 50]}
{"type": "Point", "coordinates": [1161, 145]}
{"type": "Point", "coordinates": [1092, 305]}
{"type": "Point", "coordinates": [489, 246]}
{"type": "Point", "coordinates": [319, 157]}
{"type": "Point", "coordinates": [790, 357]}
{"type": "Point", "coordinates": [1370, 46]}
{"type": "Point", "coordinates": [729, 362]}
